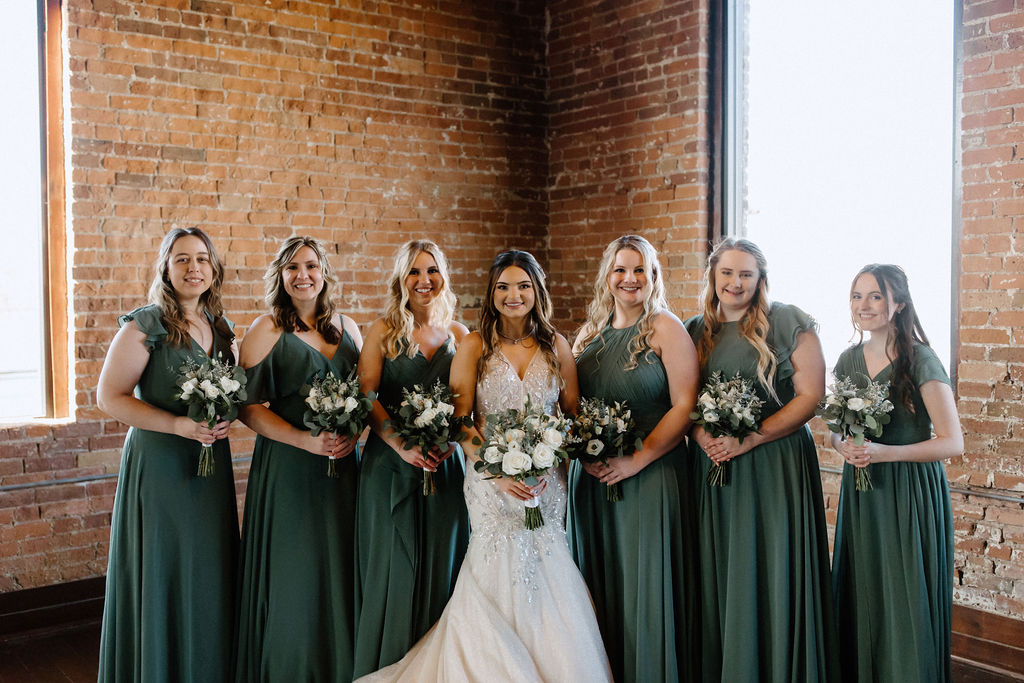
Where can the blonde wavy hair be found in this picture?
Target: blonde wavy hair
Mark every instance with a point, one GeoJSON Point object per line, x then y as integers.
{"type": "Point", "coordinates": [281, 307]}
{"type": "Point", "coordinates": [540, 316]}
{"type": "Point", "coordinates": [603, 304]}
{"type": "Point", "coordinates": [754, 323]}
{"type": "Point", "coordinates": [398, 319]}
{"type": "Point", "coordinates": [162, 293]}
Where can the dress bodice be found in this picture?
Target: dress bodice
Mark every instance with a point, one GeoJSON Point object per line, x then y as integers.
{"type": "Point", "coordinates": [403, 371]}
{"type": "Point", "coordinates": [501, 389]}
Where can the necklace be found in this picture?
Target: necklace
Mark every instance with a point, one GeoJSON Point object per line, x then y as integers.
{"type": "Point", "coordinates": [516, 340]}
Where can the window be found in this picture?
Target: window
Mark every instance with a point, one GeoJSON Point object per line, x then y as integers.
{"type": "Point", "coordinates": [838, 151]}
{"type": "Point", "coordinates": [33, 348]}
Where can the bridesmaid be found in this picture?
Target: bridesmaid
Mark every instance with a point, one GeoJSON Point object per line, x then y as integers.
{"type": "Point", "coordinates": [767, 607]}
{"type": "Point", "coordinates": [635, 554]}
{"type": "Point", "coordinates": [169, 604]}
{"type": "Point", "coordinates": [410, 545]}
{"type": "Point", "coordinates": [893, 563]}
{"type": "Point", "coordinates": [297, 572]}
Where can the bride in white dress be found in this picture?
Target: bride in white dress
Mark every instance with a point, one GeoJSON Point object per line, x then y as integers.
{"type": "Point", "coordinates": [520, 610]}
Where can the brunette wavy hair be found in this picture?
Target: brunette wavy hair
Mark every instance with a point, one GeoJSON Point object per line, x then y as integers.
{"type": "Point", "coordinates": [398, 319]}
{"type": "Point", "coordinates": [753, 325]}
{"type": "Point", "coordinates": [905, 329]}
{"type": "Point", "coordinates": [540, 316]}
{"type": "Point", "coordinates": [162, 293]}
{"type": "Point", "coordinates": [281, 307]}
{"type": "Point", "coordinates": [603, 303]}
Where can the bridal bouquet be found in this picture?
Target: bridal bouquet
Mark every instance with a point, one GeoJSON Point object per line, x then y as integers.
{"type": "Point", "coordinates": [212, 391]}
{"type": "Point", "coordinates": [855, 411]}
{"type": "Point", "coordinates": [603, 431]}
{"type": "Point", "coordinates": [727, 408]}
{"type": "Point", "coordinates": [523, 445]}
{"type": "Point", "coordinates": [336, 405]}
{"type": "Point", "coordinates": [424, 419]}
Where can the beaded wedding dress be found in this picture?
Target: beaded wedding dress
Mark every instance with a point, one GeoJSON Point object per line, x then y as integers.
{"type": "Point", "coordinates": [520, 610]}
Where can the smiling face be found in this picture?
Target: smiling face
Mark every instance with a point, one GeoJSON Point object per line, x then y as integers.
{"type": "Point", "coordinates": [628, 279]}
{"type": "Point", "coordinates": [189, 268]}
{"type": "Point", "coordinates": [423, 282]}
{"type": "Point", "coordinates": [872, 310]}
{"type": "Point", "coordinates": [302, 277]}
{"type": "Point", "coordinates": [736, 278]}
{"type": "Point", "coordinates": [514, 294]}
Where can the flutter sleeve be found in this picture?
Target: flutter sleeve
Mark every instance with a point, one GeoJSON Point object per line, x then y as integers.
{"type": "Point", "coordinates": [785, 324]}
{"type": "Point", "coordinates": [927, 366]}
{"type": "Point", "coordinates": [149, 320]}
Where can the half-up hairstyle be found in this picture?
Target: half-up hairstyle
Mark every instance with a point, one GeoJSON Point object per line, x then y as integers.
{"type": "Point", "coordinates": [603, 303]}
{"type": "Point", "coordinates": [281, 307]}
{"type": "Point", "coordinates": [904, 329]}
{"type": "Point", "coordinates": [162, 293]}
{"type": "Point", "coordinates": [540, 315]}
{"type": "Point", "coordinates": [398, 318]}
{"type": "Point", "coordinates": [753, 325]}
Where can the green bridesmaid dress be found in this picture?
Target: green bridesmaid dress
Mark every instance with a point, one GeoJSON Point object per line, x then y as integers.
{"type": "Point", "coordinates": [765, 594]}
{"type": "Point", "coordinates": [297, 570]}
{"type": "Point", "coordinates": [637, 555]}
{"type": "Point", "coordinates": [170, 596]}
{"type": "Point", "coordinates": [410, 545]}
{"type": "Point", "coordinates": [892, 570]}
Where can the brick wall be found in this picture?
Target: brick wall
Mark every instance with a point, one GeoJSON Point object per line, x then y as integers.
{"type": "Point", "coordinates": [554, 127]}
{"type": "Point", "coordinates": [255, 119]}
{"type": "Point", "coordinates": [990, 532]}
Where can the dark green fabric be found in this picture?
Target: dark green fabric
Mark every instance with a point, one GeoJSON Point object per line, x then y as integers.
{"type": "Point", "coordinates": [410, 545]}
{"type": "Point", "coordinates": [169, 604]}
{"type": "Point", "coordinates": [297, 571]}
{"type": "Point", "coordinates": [637, 555]}
{"type": "Point", "coordinates": [766, 600]}
{"type": "Point", "coordinates": [893, 561]}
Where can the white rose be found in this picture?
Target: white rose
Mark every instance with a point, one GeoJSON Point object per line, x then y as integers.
{"type": "Point", "coordinates": [492, 454]}
{"type": "Point", "coordinates": [326, 405]}
{"type": "Point", "coordinates": [229, 385]}
{"type": "Point", "coordinates": [209, 389]}
{"type": "Point", "coordinates": [421, 420]}
{"type": "Point", "coordinates": [427, 404]}
{"type": "Point", "coordinates": [516, 435]}
{"type": "Point", "coordinates": [515, 462]}
{"type": "Point", "coordinates": [594, 447]}
{"type": "Point", "coordinates": [710, 416]}
{"type": "Point", "coordinates": [552, 437]}
{"type": "Point", "coordinates": [543, 456]}
{"type": "Point", "coordinates": [856, 404]}
{"type": "Point", "coordinates": [188, 387]}
{"type": "Point", "coordinates": [350, 404]}
{"type": "Point", "coordinates": [446, 408]}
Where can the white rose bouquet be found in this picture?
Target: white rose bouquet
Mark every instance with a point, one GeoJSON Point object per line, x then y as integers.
{"type": "Point", "coordinates": [850, 410]}
{"type": "Point", "coordinates": [602, 431]}
{"type": "Point", "coordinates": [336, 405]}
{"type": "Point", "coordinates": [212, 391]}
{"type": "Point", "coordinates": [727, 408]}
{"type": "Point", "coordinates": [523, 445]}
{"type": "Point", "coordinates": [424, 419]}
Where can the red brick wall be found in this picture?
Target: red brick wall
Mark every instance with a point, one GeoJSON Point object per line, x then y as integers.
{"type": "Point", "coordinates": [630, 148]}
{"type": "Point", "coordinates": [255, 120]}
{"type": "Point", "coordinates": [990, 532]}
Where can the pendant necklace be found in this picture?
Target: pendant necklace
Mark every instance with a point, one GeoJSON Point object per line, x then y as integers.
{"type": "Point", "coordinates": [516, 340]}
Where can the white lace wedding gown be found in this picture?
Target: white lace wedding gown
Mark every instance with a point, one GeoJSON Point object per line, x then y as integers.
{"type": "Point", "coordinates": [520, 611]}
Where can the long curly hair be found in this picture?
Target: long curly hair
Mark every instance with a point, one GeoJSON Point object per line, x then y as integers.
{"type": "Point", "coordinates": [540, 315]}
{"type": "Point", "coordinates": [905, 327]}
{"type": "Point", "coordinates": [398, 318]}
{"type": "Point", "coordinates": [162, 293]}
{"type": "Point", "coordinates": [753, 324]}
{"type": "Point", "coordinates": [603, 303]}
{"type": "Point", "coordinates": [281, 307]}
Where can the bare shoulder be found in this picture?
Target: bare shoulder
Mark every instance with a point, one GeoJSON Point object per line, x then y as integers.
{"type": "Point", "coordinates": [471, 345]}
{"type": "Point", "coordinates": [375, 332]}
{"type": "Point", "coordinates": [258, 341]}
{"type": "Point", "coordinates": [666, 322]}
{"type": "Point", "coordinates": [459, 331]}
{"type": "Point", "coordinates": [562, 348]}
{"type": "Point", "coordinates": [349, 325]}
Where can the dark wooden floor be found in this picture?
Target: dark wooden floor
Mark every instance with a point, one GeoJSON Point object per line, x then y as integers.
{"type": "Point", "coordinates": [70, 656]}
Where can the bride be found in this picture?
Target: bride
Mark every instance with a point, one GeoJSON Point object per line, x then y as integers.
{"type": "Point", "coordinates": [520, 610]}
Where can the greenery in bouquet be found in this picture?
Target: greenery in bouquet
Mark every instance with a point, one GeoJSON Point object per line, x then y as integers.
{"type": "Point", "coordinates": [727, 408]}
{"type": "Point", "coordinates": [212, 391]}
{"type": "Point", "coordinates": [425, 420]}
{"type": "Point", "coordinates": [336, 405]}
{"type": "Point", "coordinates": [523, 445]}
{"type": "Point", "coordinates": [856, 411]}
{"type": "Point", "coordinates": [602, 431]}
